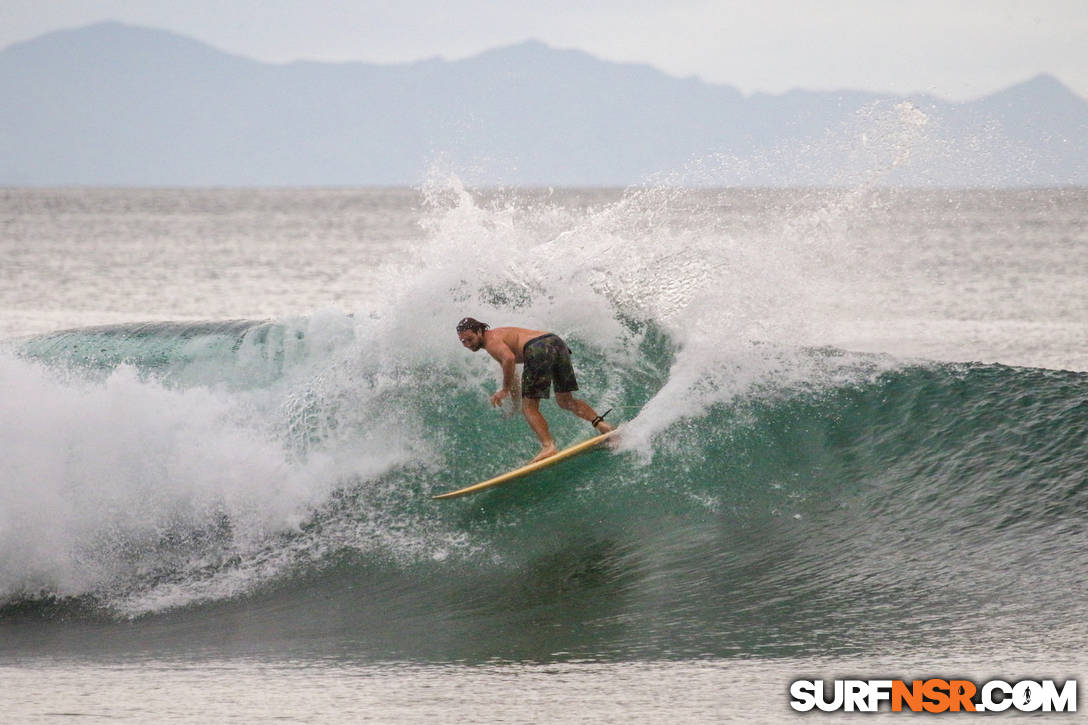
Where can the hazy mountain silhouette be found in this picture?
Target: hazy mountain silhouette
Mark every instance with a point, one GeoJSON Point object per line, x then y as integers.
{"type": "Point", "coordinates": [119, 105]}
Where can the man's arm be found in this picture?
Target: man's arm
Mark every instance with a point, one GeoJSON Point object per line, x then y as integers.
{"type": "Point", "coordinates": [505, 357]}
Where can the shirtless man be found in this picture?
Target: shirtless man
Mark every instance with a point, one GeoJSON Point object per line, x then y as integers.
{"type": "Point", "coordinates": [546, 358]}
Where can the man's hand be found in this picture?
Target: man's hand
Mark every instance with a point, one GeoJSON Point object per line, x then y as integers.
{"type": "Point", "coordinates": [496, 399]}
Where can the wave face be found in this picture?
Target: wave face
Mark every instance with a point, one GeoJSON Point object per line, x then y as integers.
{"type": "Point", "coordinates": [831, 503]}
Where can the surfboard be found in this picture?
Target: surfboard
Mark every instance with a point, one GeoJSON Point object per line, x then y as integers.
{"type": "Point", "coordinates": [531, 467]}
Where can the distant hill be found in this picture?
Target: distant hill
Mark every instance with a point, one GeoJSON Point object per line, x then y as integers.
{"type": "Point", "coordinates": [112, 104]}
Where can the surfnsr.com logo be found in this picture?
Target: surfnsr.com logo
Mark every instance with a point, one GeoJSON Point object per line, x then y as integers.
{"type": "Point", "coordinates": [933, 695]}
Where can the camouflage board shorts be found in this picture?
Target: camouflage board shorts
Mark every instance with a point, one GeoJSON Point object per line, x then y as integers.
{"type": "Point", "coordinates": [547, 360]}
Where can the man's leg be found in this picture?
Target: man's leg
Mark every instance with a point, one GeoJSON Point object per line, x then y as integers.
{"type": "Point", "coordinates": [580, 408]}
{"type": "Point", "coordinates": [531, 408]}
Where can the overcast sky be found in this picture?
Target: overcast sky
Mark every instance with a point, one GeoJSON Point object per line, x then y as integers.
{"type": "Point", "coordinates": [956, 49]}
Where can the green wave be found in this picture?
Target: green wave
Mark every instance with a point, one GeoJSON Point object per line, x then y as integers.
{"type": "Point", "coordinates": [787, 519]}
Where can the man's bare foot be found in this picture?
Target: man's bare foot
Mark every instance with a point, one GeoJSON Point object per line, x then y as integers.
{"type": "Point", "coordinates": [545, 452]}
{"type": "Point", "coordinates": [603, 428]}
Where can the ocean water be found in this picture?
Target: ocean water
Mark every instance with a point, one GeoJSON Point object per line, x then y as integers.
{"type": "Point", "coordinates": [856, 445]}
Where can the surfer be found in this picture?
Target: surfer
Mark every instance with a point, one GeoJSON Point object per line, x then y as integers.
{"type": "Point", "coordinates": [546, 358]}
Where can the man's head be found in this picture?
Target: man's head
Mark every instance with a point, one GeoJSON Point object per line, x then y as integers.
{"type": "Point", "coordinates": [471, 333]}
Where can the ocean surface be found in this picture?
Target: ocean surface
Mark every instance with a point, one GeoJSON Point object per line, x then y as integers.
{"type": "Point", "coordinates": [856, 445]}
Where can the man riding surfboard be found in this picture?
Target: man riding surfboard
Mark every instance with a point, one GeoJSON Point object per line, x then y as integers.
{"type": "Point", "coordinates": [546, 359]}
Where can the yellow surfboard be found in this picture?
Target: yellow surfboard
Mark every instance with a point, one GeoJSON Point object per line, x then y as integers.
{"type": "Point", "coordinates": [531, 467]}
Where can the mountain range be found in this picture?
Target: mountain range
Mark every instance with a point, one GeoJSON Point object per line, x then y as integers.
{"type": "Point", "coordinates": [113, 104]}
